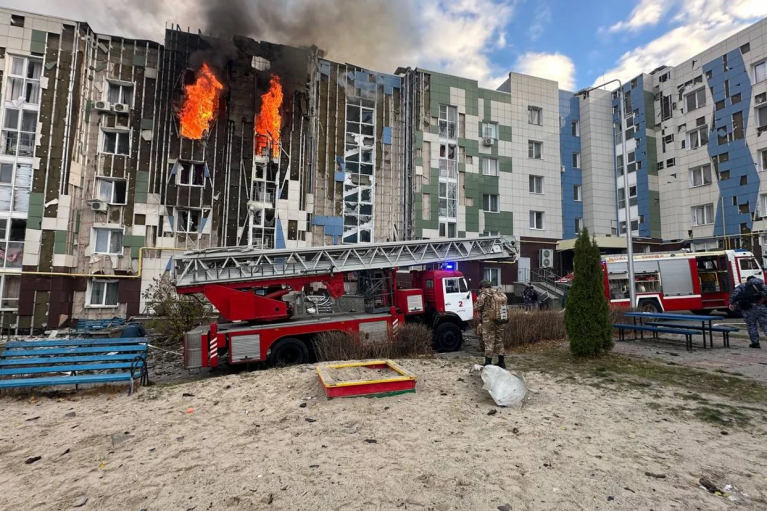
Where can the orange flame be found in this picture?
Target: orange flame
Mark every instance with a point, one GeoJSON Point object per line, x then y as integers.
{"type": "Point", "coordinates": [200, 104]}
{"type": "Point", "coordinates": [269, 121]}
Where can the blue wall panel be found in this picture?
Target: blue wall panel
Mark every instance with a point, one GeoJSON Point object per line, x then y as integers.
{"type": "Point", "coordinates": [569, 110]}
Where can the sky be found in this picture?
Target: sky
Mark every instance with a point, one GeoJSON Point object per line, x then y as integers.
{"type": "Point", "coordinates": [578, 43]}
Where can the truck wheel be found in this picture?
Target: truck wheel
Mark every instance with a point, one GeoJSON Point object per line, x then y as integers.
{"type": "Point", "coordinates": [288, 352]}
{"type": "Point", "coordinates": [649, 306]}
{"type": "Point", "coordinates": [447, 337]}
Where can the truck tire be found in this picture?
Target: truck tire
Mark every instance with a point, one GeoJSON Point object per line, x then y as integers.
{"type": "Point", "coordinates": [447, 337]}
{"type": "Point", "coordinates": [649, 306]}
{"type": "Point", "coordinates": [287, 352]}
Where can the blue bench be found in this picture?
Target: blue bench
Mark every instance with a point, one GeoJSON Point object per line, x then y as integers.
{"type": "Point", "coordinates": [88, 326]}
{"type": "Point", "coordinates": [655, 330]}
{"type": "Point", "coordinates": [723, 329]}
{"type": "Point", "coordinates": [82, 361]}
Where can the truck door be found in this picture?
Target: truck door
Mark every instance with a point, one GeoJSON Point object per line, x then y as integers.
{"type": "Point", "coordinates": [458, 298]}
{"type": "Point", "coordinates": [748, 267]}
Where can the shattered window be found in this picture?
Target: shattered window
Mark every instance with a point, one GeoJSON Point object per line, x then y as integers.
{"type": "Point", "coordinates": [358, 167]}
{"type": "Point", "coordinates": [448, 122]}
{"type": "Point", "coordinates": [116, 142]}
{"type": "Point", "coordinates": [188, 220]}
{"type": "Point", "coordinates": [112, 191]}
{"type": "Point", "coordinates": [191, 173]}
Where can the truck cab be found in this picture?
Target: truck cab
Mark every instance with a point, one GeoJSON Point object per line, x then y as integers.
{"type": "Point", "coordinates": [448, 305]}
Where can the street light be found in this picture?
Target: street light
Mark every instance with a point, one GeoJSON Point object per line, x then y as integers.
{"type": "Point", "coordinates": [626, 194]}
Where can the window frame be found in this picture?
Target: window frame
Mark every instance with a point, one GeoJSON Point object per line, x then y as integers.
{"type": "Point", "coordinates": [707, 220]}
{"type": "Point", "coordinates": [494, 132]}
{"type": "Point", "coordinates": [193, 165]}
{"type": "Point", "coordinates": [762, 160]}
{"type": "Point", "coordinates": [578, 224]}
{"type": "Point", "coordinates": [448, 123]}
{"type": "Point", "coordinates": [701, 169]}
{"type": "Point", "coordinates": [532, 145]}
{"type": "Point", "coordinates": [763, 65]}
{"type": "Point", "coordinates": [112, 231]}
{"type": "Point", "coordinates": [577, 193]}
{"type": "Point", "coordinates": [177, 214]}
{"type": "Point", "coordinates": [485, 170]}
{"type": "Point", "coordinates": [112, 201]}
{"type": "Point", "coordinates": [117, 132]}
{"type": "Point", "coordinates": [533, 220]}
{"type": "Point", "coordinates": [122, 86]}
{"type": "Point", "coordinates": [534, 112]}
{"type": "Point", "coordinates": [533, 183]}
{"type": "Point", "coordinates": [695, 94]}
{"type": "Point", "coordinates": [759, 110]}
{"type": "Point", "coordinates": [698, 132]}
{"type": "Point", "coordinates": [24, 80]}
{"type": "Point", "coordinates": [492, 275]}
{"type": "Point", "coordinates": [104, 295]}
{"type": "Point", "coordinates": [576, 160]}
{"type": "Point", "coordinates": [575, 128]}
{"type": "Point", "coordinates": [491, 203]}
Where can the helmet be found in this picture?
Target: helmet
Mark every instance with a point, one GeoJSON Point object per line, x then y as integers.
{"type": "Point", "coordinates": [484, 283]}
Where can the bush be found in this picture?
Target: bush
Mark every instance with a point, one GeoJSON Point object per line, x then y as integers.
{"type": "Point", "coordinates": [532, 327]}
{"type": "Point", "coordinates": [587, 316]}
{"type": "Point", "coordinates": [174, 314]}
{"type": "Point", "coordinates": [410, 341]}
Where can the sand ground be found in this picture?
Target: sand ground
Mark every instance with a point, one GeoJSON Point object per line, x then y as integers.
{"type": "Point", "coordinates": [271, 440]}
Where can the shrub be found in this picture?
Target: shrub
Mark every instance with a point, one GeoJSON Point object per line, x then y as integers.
{"type": "Point", "coordinates": [409, 341]}
{"type": "Point", "coordinates": [174, 314]}
{"type": "Point", "coordinates": [587, 316]}
{"type": "Point", "coordinates": [533, 326]}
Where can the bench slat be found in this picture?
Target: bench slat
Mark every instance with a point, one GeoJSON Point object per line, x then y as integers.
{"type": "Point", "coordinates": [75, 342]}
{"type": "Point", "coordinates": [656, 329]}
{"type": "Point", "coordinates": [19, 352]}
{"type": "Point", "coordinates": [66, 368]}
{"type": "Point", "coordinates": [696, 327]}
{"type": "Point", "coordinates": [65, 380]}
{"type": "Point", "coordinates": [64, 360]}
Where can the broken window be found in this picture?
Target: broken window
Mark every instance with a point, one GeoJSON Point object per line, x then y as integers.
{"type": "Point", "coordinates": [448, 199]}
{"type": "Point", "coordinates": [190, 173]}
{"type": "Point", "coordinates": [698, 137]}
{"type": "Point", "coordinates": [700, 176]}
{"type": "Point", "coordinates": [12, 233]}
{"type": "Point", "coordinates": [534, 150]}
{"type": "Point", "coordinates": [10, 293]}
{"type": "Point", "coordinates": [667, 107]}
{"type": "Point", "coordinates": [15, 186]}
{"type": "Point", "coordinates": [17, 21]}
{"type": "Point", "coordinates": [112, 191]}
{"type": "Point", "coordinates": [24, 81]}
{"type": "Point", "coordinates": [188, 220]}
{"type": "Point", "coordinates": [120, 93]}
{"type": "Point", "coordinates": [761, 117]}
{"type": "Point", "coordinates": [448, 122]}
{"type": "Point", "coordinates": [534, 115]}
{"type": "Point", "coordinates": [18, 137]}
{"type": "Point", "coordinates": [695, 99]}
{"type": "Point", "coordinates": [103, 293]}
{"type": "Point", "coordinates": [115, 142]}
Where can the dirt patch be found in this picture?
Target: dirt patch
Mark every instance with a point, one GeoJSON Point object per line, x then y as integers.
{"type": "Point", "coordinates": [346, 374]}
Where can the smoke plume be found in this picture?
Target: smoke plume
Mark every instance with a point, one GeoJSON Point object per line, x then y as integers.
{"type": "Point", "coordinates": [378, 34]}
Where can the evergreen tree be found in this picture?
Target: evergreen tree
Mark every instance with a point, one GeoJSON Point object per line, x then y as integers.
{"type": "Point", "coordinates": [587, 316]}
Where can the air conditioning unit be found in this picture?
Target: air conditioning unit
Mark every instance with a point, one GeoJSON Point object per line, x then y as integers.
{"type": "Point", "coordinates": [488, 141]}
{"type": "Point", "coordinates": [97, 205]}
{"type": "Point", "coordinates": [546, 258]}
{"type": "Point", "coordinates": [103, 106]}
{"type": "Point", "coordinates": [120, 108]}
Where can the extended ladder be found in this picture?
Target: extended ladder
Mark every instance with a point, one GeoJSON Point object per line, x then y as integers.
{"type": "Point", "coordinates": [235, 264]}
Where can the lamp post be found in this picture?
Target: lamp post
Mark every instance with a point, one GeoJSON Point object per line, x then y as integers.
{"type": "Point", "coordinates": [626, 194]}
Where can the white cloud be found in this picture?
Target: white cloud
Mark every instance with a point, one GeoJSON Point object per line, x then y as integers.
{"type": "Point", "coordinates": [696, 25]}
{"type": "Point", "coordinates": [647, 13]}
{"type": "Point", "coordinates": [540, 20]}
{"type": "Point", "coordinates": [553, 66]}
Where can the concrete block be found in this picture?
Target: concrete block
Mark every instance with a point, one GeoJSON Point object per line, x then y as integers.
{"type": "Point", "coordinates": [49, 224]}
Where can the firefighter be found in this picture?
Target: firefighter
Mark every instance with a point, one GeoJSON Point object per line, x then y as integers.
{"type": "Point", "coordinates": [750, 298]}
{"type": "Point", "coordinates": [492, 332]}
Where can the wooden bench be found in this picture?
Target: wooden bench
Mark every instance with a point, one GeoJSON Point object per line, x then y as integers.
{"type": "Point", "coordinates": [723, 329]}
{"type": "Point", "coordinates": [83, 361]}
{"type": "Point", "coordinates": [688, 333]}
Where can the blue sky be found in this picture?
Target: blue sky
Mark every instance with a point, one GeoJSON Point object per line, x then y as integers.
{"type": "Point", "coordinates": [576, 42]}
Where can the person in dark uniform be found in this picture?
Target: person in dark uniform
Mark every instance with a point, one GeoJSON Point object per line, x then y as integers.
{"type": "Point", "coordinates": [749, 299]}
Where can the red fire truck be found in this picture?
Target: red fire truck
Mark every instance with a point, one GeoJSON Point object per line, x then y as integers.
{"type": "Point", "coordinates": [274, 302]}
{"type": "Point", "coordinates": [696, 281]}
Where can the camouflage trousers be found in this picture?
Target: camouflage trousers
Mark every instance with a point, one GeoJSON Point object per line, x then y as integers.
{"type": "Point", "coordinates": [492, 338]}
{"type": "Point", "coordinates": [755, 317]}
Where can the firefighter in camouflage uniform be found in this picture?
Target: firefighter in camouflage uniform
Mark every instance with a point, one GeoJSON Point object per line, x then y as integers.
{"type": "Point", "coordinates": [492, 332]}
{"type": "Point", "coordinates": [750, 299]}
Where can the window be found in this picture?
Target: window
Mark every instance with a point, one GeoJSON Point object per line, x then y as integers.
{"type": "Point", "coordinates": [103, 293]}
{"type": "Point", "coordinates": [17, 21]}
{"type": "Point", "coordinates": [695, 100]}
{"type": "Point", "coordinates": [535, 149]}
{"type": "Point", "coordinates": [763, 160]}
{"type": "Point", "coordinates": [120, 93]}
{"type": "Point", "coordinates": [15, 186]}
{"type": "Point", "coordinates": [490, 130]}
{"type": "Point", "coordinates": [632, 156]}
{"type": "Point", "coordinates": [698, 137]}
{"type": "Point", "coordinates": [116, 142]}
{"type": "Point", "coordinates": [190, 173]}
{"type": "Point", "coordinates": [536, 220]}
{"type": "Point", "coordinates": [12, 233]}
{"type": "Point", "coordinates": [10, 293]}
{"type": "Point", "coordinates": [578, 225]}
{"type": "Point", "coordinates": [761, 117]}
{"type": "Point", "coordinates": [536, 184]}
{"type": "Point", "coordinates": [576, 160]}
{"type": "Point", "coordinates": [700, 176]}
{"type": "Point", "coordinates": [108, 241]}
{"type": "Point", "coordinates": [575, 128]}
{"type": "Point", "coordinates": [426, 206]}
{"type": "Point", "coordinates": [491, 234]}
{"type": "Point", "coordinates": [634, 226]}
{"type": "Point", "coordinates": [703, 215]}
{"type": "Point", "coordinates": [24, 81]}
{"type": "Point", "coordinates": [111, 190]}
{"type": "Point", "coordinates": [667, 107]}
{"type": "Point", "coordinates": [534, 115]}
{"type": "Point", "coordinates": [19, 127]}
{"type": "Point", "coordinates": [447, 229]}
{"type": "Point", "coordinates": [188, 220]}
{"type": "Point", "coordinates": [492, 275]}
{"type": "Point", "coordinates": [448, 161]}
{"type": "Point", "coordinates": [448, 122]}
{"type": "Point", "coordinates": [622, 197]}
{"type": "Point", "coordinates": [490, 203]}
{"type": "Point", "coordinates": [577, 197]}
{"type": "Point", "coordinates": [489, 167]}
{"type": "Point", "coordinates": [760, 72]}
{"type": "Point", "coordinates": [737, 126]}
{"type": "Point", "coordinates": [448, 200]}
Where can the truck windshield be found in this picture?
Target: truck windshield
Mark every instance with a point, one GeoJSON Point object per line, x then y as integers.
{"type": "Point", "coordinates": [464, 287]}
{"type": "Point", "coordinates": [749, 264]}
{"type": "Point", "coordinates": [452, 286]}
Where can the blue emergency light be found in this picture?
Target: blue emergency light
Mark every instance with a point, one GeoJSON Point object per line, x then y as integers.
{"type": "Point", "coordinates": [448, 266]}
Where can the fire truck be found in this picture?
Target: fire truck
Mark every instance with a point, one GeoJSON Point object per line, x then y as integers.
{"type": "Point", "coordinates": [274, 302]}
{"type": "Point", "coordinates": [700, 282]}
